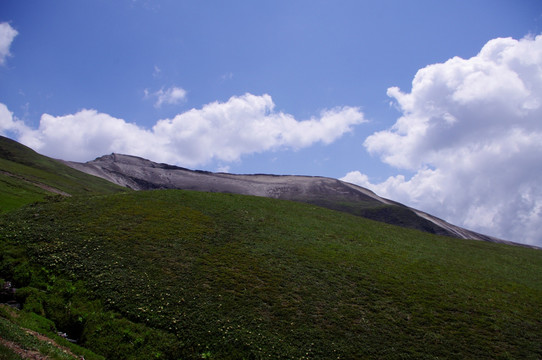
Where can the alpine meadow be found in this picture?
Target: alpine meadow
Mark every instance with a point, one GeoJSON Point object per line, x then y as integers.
{"type": "Point", "coordinates": [178, 274]}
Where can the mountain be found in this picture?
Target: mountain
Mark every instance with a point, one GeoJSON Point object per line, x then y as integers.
{"type": "Point", "coordinates": [26, 177]}
{"type": "Point", "coordinates": [100, 271]}
{"type": "Point", "coordinates": [140, 174]}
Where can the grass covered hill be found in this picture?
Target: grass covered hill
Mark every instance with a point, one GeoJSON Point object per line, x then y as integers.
{"type": "Point", "coordinates": [26, 176]}
{"type": "Point", "coordinates": [177, 274]}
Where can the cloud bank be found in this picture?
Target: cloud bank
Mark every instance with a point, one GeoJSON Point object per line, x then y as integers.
{"type": "Point", "coordinates": [7, 34]}
{"type": "Point", "coordinates": [218, 131]}
{"type": "Point", "coordinates": [471, 131]}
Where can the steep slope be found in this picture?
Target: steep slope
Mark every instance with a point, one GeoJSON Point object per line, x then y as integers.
{"type": "Point", "coordinates": [26, 176]}
{"type": "Point", "coordinates": [208, 275]}
{"type": "Point", "coordinates": [141, 174]}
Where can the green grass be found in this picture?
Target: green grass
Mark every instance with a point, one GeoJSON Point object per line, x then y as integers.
{"type": "Point", "coordinates": [26, 177]}
{"type": "Point", "coordinates": [14, 193]}
{"type": "Point", "coordinates": [229, 277]}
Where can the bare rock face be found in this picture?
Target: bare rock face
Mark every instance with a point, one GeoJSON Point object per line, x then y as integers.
{"type": "Point", "coordinates": [141, 174]}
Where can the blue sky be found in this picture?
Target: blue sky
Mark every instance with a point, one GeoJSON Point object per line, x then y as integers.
{"type": "Point", "coordinates": [284, 87]}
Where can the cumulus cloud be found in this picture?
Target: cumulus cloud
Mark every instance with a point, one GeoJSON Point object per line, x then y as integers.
{"type": "Point", "coordinates": [222, 131]}
{"type": "Point", "coordinates": [471, 132]}
{"type": "Point", "coordinates": [171, 96]}
{"type": "Point", "coordinates": [7, 34]}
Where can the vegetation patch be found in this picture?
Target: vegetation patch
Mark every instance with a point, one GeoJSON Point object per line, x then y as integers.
{"type": "Point", "coordinates": [18, 341]}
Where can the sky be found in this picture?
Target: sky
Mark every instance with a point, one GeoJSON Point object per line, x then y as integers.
{"type": "Point", "coordinates": [435, 104]}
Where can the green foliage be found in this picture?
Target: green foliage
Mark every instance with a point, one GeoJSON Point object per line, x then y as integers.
{"type": "Point", "coordinates": [68, 307]}
{"type": "Point", "coordinates": [14, 328]}
{"type": "Point", "coordinates": [131, 340]}
{"type": "Point", "coordinates": [179, 274]}
{"type": "Point", "coordinates": [32, 299]}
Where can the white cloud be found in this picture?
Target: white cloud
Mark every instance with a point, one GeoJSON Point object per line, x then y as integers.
{"type": "Point", "coordinates": [157, 72]}
{"type": "Point", "coordinates": [356, 177]}
{"type": "Point", "coordinates": [11, 125]}
{"type": "Point", "coordinates": [218, 131]}
{"type": "Point", "coordinates": [171, 96]}
{"type": "Point", "coordinates": [223, 169]}
{"type": "Point", "coordinates": [227, 76]}
{"type": "Point", "coordinates": [471, 130]}
{"type": "Point", "coordinates": [7, 34]}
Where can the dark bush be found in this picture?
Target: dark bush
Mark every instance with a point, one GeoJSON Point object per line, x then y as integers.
{"type": "Point", "coordinates": [31, 299]}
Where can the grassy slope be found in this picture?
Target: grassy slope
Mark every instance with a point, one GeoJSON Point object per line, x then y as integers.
{"type": "Point", "coordinates": [243, 277]}
{"type": "Point", "coordinates": [26, 177]}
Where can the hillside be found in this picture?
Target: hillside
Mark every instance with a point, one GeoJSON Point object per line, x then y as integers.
{"type": "Point", "coordinates": [182, 274]}
{"type": "Point", "coordinates": [141, 174]}
{"type": "Point", "coordinates": [26, 176]}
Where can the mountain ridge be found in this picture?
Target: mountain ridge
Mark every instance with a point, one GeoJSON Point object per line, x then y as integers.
{"type": "Point", "coordinates": [138, 173]}
{"type": "Point", "coordinates": [36, 173]}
